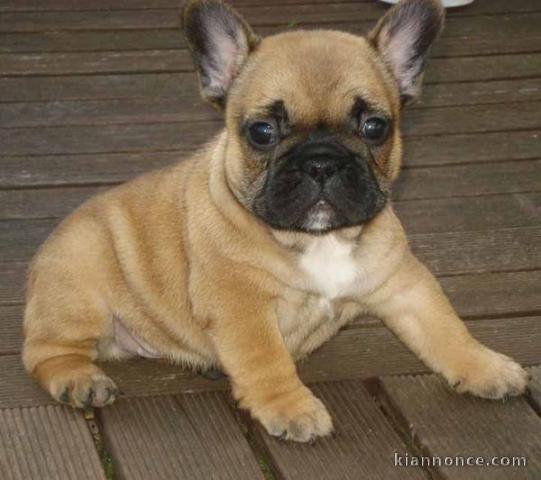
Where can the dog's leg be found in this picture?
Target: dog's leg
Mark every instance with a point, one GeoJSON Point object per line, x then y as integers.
{"type": "Point", "coordinates": [263, 375]}
{"type": "Point", "coordinates": [414, 307]}
{"type": "Point", "coordinates": [61, 335]}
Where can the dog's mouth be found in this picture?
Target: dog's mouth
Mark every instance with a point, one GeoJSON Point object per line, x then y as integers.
{"type": "Point", "coordinates": [318, 188]}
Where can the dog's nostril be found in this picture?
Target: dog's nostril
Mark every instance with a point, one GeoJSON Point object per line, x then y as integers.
{"type": "Point", "coordinates": [321, 169]}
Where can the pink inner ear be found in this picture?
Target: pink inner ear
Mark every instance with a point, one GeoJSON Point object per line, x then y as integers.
{"type": "Point", "coordinates": [398, 51]}
{"type": "Point", "coordinates": [228, 54]}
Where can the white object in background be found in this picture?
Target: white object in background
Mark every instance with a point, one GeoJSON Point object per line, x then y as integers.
{"type": "Point", "coordinates": [446, 3]}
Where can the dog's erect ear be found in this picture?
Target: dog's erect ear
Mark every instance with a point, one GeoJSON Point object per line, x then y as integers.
{"type": "Point", "coordinates": [403, 37]}
{"type": "Point", "coordinates": [220, 41]}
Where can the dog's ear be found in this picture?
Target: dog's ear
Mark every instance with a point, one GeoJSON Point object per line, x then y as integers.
{"type": "Point", "coordinates": [220, 42]}
{"type": "Point", "coordinates": [403, 37]}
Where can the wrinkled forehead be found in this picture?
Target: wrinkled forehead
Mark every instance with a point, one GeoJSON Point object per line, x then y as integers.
{"type": "Point", "coordinates": [318, 75]}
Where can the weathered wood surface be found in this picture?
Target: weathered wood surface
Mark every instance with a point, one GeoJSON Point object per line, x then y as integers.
{"type": "Point", "coordinates": [50, 442]}
{"type": "Point", "coordinates": [364, 349]}
{"type": "Point", "coordinates": [492, 7]}
{"type": "Point", "coordinates": [535, 388]}
{"type": "Point", "coordinates": [346, 16]}
{"type": "Point", "coordinates": [440, 70]}
{"type": "Point", "coordinates": [185, 437]}
{"type": "Point", "coordinates": [417, 200]}
{"type": "Point", "coordinates": [417, 122]}
{"type": "Point", "coordinates": [362, 446]}
{"type": "Point", "coordinates": [39, 165]}
{"type": "Point", "coordinates": [462, 36]}
{"type": "Point", "coordinates": [445, 424]}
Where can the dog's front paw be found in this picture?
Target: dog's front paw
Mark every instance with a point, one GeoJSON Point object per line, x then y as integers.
{"type": "Point", "coordinates": [491, 375]}
{"type": "Point", "coordinates": [83, 388]}
{"type": "Point", "coordinates": [300, 417]}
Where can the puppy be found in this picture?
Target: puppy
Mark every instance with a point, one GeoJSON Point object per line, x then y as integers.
{"type": "Point", "coordinates": [254, 251]}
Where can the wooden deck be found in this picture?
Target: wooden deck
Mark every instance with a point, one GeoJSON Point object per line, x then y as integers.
{"type": "Point", "coordinates": [95, 92]}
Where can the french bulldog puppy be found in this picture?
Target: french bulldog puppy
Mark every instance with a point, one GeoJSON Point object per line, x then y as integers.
{"type": "Point", "coordinates": [254, 251]}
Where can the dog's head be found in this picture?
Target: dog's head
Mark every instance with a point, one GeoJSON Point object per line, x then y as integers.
{"type": "Point", "coordinates": [312, 117]}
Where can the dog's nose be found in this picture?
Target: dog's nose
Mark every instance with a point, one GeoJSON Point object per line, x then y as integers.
{"type": "Point", "coordinates": [321, 168]}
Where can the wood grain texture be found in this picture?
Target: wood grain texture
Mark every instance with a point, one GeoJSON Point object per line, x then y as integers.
{"type": "Point", "coordinates": [473, 295]}
{"type": "Point", "coordinates": [476, 191]}
{"type": "Point", "coordinates": [39, 165]}
{"type": "Point", "coordinates": [174, 86]}
{"type": "Point", "coordinates": [11, 331]}
{"type": "Point", "coordinates": [187, 437]}
{"type": "Point", "coordinates": [362, 446]}
{"type": "Point", "coordinates": [12, 279]}
{"type": "Point", "coordinates": [535, 387]}
{"type": "Point", "coordinates": [418, 121]}
{"type": "Point", "coordinates": [495, 6]}
{"type": "Point", "coordinates": [446, 424]}
{"type": "Point", "coordinates": [462, 36]}
{"type": "Point", "coordinates": [50, 442]}
{"type": "Point", "coordinates": [364, 349]}
{"type": "Point", "coordinates": [256, 14]}
{"type": "Point", "coordinates": [444, 253]}
{"type": "Point", "coordinates": [439, 70]}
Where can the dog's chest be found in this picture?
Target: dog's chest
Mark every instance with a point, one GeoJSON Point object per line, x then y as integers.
{"type": "Point", "coordinates": [329, 267]}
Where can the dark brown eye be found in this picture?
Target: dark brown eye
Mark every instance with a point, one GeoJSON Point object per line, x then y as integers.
{"type": "Point", "coordinates": [375, 129]}
{"type": "Point", "coordinates": [262, 134]}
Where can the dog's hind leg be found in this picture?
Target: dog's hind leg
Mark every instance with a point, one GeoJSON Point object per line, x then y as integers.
{"type": "Point", "coordinates": [64, 320]}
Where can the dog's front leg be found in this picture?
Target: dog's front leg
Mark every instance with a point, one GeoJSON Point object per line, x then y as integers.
{"type": "Point", "coordinates": [252, 352]}
{"type": "Point", "coordinates": [414, 307]}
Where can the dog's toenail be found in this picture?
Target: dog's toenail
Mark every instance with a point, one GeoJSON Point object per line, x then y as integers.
{"type": "Point", "coordinates": [65, 397]}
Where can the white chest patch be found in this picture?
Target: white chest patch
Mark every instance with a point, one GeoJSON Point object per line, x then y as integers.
{"type": "Point", "coordinates": [330, 267]}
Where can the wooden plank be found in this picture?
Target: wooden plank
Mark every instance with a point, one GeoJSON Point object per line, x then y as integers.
{"type": "Point", "coordinates": [416, 203]}
{"type": "Point", "coordinates": [11, 330]}
{"type": "Point", "coordinates": [106, 112]}
{"type": "Point", "coordinates": [414, 184]}
{"type": "Point", "coordinates": [485, 294]}
{"type": "Point", "coordinates": [80, 169]}
{"type": "Point", "coordinates": [472, 119]}
{"type": "Point", "coordinates": [417, 121]}
{"type": "Point", "coordinates": [487, 147]}
{"type": "Point", "coordinates": [109, 168]}
{"type": "Point", "coordinates": [535, 387]}
{"type": "Point", "coordinates": [494, 6]}
{"type": "Point", "coordinates": [362, 446]}
{"type": "Point", "coordinates": [494, 240]}
{"type": "Point", "coordinates": [20, 239]}
{"type": "Point", "coordinates": [469, 180]}
{"type": "Point", "coordinates": [201, 431]}
{"type": "Point", "coordinates": [473, 295]}
{"type": "Point", "coordinates": [364, 349]}
{"type": "Point", "coordinates": [144, 61]}
{"type": "Point", "coordinates": [12, 278]}
{"type": "Point", "coordinates": [107, 138]}
{"type": "Point", "coordinates": [504, 249]}
{"type": "Point", "coordinates": [492, 67]}
{"type": "Point", "coordinates": [256, 14]}
{"type": "Point", "coordinates": [482, 35]}
{"type": "Point", "coordinates": [184, 136]}
{"type": "Point", "coordinates": [438, 215]}
{"type": "Point", "coordinates": [441, 70]}
{"type": "Point", "coordinates": [47, 442]}
{"type": "Point", "coordinates": [184, 85]}
{"type": "Point", "coordinates": [445, 424]}
{"type": "Point", "coordinates": [99, 87]}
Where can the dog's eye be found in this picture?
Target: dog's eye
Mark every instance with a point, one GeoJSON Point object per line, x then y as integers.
{"type": "Point", "coordinates": [262, 134]}
{"type": "Point", "coordinates": [375, 129]}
